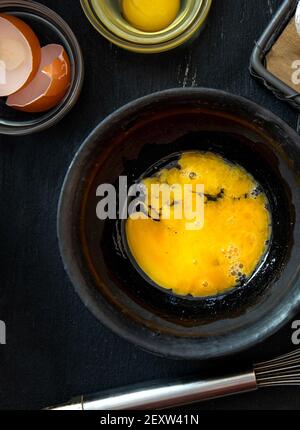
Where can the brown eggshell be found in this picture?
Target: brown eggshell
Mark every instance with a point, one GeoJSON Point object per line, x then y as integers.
{"type": "Point", "coordinates": [20, 54]}
{"type": "Point", "coordinates": [49, 85]}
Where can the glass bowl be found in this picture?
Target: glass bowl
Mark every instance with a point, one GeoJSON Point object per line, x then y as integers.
{"type": "Point", "coordinates": [50, 28]}
{"type": "Point", "coordinates": [106, 16]}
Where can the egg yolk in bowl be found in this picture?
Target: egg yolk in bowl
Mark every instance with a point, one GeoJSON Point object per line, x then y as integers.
{"type": "Point", "coordinates": [150, 15]}
{"type": "Point", "coordinates": [217, 251]}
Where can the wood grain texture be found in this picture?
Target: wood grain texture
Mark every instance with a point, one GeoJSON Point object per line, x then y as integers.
{"type": "Point", "coordinates": [55, 348]}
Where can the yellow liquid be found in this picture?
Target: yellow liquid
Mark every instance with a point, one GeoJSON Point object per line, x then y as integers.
{"type": "Point", "coordinates": [229, 246]}
{"type": "Point", "coordinates": [150, 15]}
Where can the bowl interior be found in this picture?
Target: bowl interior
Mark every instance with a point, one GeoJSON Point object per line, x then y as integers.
{"type": "Point", "coordinates": [95, 252]}
{"type": "Point", "coordinates": [49, 28]}
{"type": "Point", "coordinates": [217, 143]}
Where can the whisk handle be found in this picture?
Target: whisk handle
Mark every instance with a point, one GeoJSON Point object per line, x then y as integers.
{"type": "Point", "coordinates": [162, 395]}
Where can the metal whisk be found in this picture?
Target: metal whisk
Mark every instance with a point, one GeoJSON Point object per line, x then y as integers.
{"type": "Point", "coordinates": [284, 370]}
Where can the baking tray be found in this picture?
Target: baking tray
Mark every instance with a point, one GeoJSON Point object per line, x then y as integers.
{"type": "Point", "coordinates": [263, 46]}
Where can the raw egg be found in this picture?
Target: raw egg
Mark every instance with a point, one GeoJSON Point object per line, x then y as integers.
{"type": "Point", "coordinates": [20, 54]}
{"type": "Point", "coordinates": [49, 85]}
{"type": "Point", "coordinates": [228, 247]}
{"type": "Point", "coordinates": [150, 15]}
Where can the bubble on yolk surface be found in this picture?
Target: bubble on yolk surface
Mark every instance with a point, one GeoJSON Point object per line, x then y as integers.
{"type": "Point", "coordinates": [150, 15]}
{"type": "Point", "coordinates": [217, 257]}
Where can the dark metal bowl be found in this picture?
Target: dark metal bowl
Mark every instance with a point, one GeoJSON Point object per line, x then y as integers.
{"type": "Point", "coordinates": [130, 141]}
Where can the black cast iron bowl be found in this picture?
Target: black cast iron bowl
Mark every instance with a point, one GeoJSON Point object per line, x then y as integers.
{"type": "Point", "coordinates": [127, 143]}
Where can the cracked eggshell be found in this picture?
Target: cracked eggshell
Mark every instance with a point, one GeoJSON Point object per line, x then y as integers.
{"type": "Point", "coordinates": [49, 85]}
{"type": "Point", "coordinates": [20, 54]}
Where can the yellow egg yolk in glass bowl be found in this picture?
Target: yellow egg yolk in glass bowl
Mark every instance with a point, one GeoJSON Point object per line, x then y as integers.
{"type": "Point", "coordinates": [148, 26]}
{"type": "Point", "coordinates": [150, 15]}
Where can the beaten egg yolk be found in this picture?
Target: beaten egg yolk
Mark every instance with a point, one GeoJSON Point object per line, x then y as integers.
{"type": "Point", "coordinates": [150, 15]}
{"type": "Point", "coordinates": [225, 251]}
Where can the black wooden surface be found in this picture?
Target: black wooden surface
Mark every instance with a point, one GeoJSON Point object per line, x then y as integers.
{"type": "Point", "coordinates": [55, 348]}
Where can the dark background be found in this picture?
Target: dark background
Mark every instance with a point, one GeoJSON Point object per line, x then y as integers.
{"type": "Point", "coordinates": [55, 348]}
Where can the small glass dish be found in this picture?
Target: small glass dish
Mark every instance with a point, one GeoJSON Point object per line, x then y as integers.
{"type": "Point", "coordinates": [106, 16]}
{"type": "Point", "coordinates": [50, 28]}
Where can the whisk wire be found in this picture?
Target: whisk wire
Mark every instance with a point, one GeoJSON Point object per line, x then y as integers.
{"type": "Point", "coordinates": [283, 370]}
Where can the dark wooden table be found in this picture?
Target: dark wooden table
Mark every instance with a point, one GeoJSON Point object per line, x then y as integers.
{"type": "Point", "coordinates": [55, 348]}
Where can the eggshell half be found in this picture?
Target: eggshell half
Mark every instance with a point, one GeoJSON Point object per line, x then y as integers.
{"type": "Point", "coordinates": [49, 85]}
{"type": "Point", "coordinates": [20, 54]}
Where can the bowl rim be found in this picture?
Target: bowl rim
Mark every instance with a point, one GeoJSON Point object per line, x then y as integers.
{"type": "Point", "coordinates": [73, 46]}
{"type": "Point", "coordinates": [128, 329]}
{"type": "Point", "coordinates": [196, 25]}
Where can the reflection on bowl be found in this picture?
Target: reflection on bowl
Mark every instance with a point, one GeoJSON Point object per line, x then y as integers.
{"type": "Point", "coordinates": [106, 16]}
{"type": "Point", "coordinates": [128, 143]}
{"type": "Point", "coordinates": [50, 28]}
